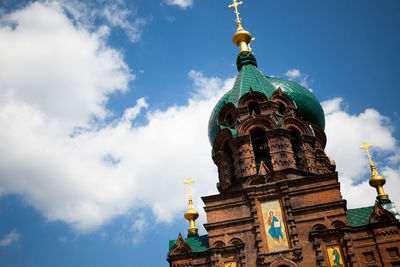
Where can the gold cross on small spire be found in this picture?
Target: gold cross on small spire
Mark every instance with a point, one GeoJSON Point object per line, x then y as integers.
{"type": "Point", "coordinates": [365, 146]}
{"type": "Point", "coordinates": [188, 182]}
{"type": "Point", "coordinates": [235, 5]}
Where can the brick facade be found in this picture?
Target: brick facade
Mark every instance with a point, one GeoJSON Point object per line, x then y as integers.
{"type": "Point", "coordinates": [266, 151]}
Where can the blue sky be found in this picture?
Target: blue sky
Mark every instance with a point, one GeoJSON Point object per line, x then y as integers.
{"type": "Point", "coordinates": [104, 108]}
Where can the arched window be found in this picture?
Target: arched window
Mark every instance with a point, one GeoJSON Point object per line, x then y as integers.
{"type": "Point", "coordinates": [282, 108]}
{"type": "Point", "coordinates": [229, 167]}
{"type": "Point", "coordinates": [260, 148]}
{"type": "Point", "coordinates": [254, 107]}
{"type": "Point", "coordinates": [229, 120]}
{"type": "Point", "coordinates": [296, 147]}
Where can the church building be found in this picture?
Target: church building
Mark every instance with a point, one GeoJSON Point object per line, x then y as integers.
{"type": "Point", "coordinates": [279, 201]}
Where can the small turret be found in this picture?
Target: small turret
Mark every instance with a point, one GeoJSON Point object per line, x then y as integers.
{"type": "Point", "coordinates": [376, 179]}
{"type": "Point", "coordinates": [191, 214]}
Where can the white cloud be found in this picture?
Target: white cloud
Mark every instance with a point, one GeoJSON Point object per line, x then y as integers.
{"type": "Point", "coordinates": [119, 16]}
{"type": "Point", "coordinates": [72, 169]}
{"type": "Point", "coordinates": [180, 3]}
{"type": "Point", "coordinates": [69, 179]}
{"type": "Point", "coordinates": [10, 238]}
{"type": "Point", "coordinates": [50, 65]}
{"type": "Point", "coordinates": [131, 113]}
{"type": "Point", "coordinates": [293, 73]}
{"type": "Point", "coordinates": [89, 14]}
{"type": "Point", "coordinates": [297, 76]}
{"type": "Point", "coordinates": [345, 133]}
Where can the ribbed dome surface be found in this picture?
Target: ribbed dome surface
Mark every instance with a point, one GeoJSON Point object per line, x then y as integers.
{"type": "Point", "coordinates": [308, 106]}
{"type": "Point", "coordinates": [249, 76]}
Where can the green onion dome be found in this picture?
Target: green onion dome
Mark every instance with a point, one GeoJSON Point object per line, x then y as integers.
{"type": "Point", "coordinates": [307, 105]}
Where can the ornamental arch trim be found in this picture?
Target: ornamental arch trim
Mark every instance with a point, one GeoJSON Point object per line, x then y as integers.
{"type": "Point", "coordinates": [223, 136]}
{"type": "Point", "coordinates": [252, 96]}
{"type": "Point", "coordinates": [181, 247]}
{"type": "Point", "coordinates": [338, 224]}
{"type": "Point", "coordinates": [319, 227]}
{"type": "Point", "coordinates": [254, 122]}
{"type": "Point", "coordinates": [293, 122]}
{"type": "Point", "coordinates": [235, 241]}
{"type": "Point", "coordinates": [282, 261]}
{"type": "Point", "coordinates": [227, 116]}
{"type": "Point", "coordinates": [219, 244]}
{"type": "Point", "coordinates": [279, 96]}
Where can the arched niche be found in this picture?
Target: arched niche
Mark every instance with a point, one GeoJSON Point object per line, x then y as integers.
{"type": "Point", "coordinates": [252, 96]}
{"type": "Point", "coordinates": [319, 227]}
{"type": "Point", "coordinates": [254, 108]}
{"type": "Point", "coordinates": [284, 102]}
{"type": "Point", "coordinates": [219, 244]}
{"type": "Point", "coordinates": [255, 122]}
{"type": "Point", "coordinates": [293, 122]}
{"type": "Point", "coordinates": [261, 152]}
{"type": "Point", "coordinates": [235, 241]}
{"type": "Point", "coordinates": [338, 224]}
{"type": "Point", "coordinates": [295, 141]}
{"type": "Point", "coordinates": [227, 116]}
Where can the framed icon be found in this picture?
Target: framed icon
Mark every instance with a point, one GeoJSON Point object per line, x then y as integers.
{"type": "Point", "coordinates": [275, 227]}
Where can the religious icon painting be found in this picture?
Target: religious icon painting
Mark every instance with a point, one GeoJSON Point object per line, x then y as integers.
{"type": "Point", "coordinates": [335, 256]}
{"type": "Point", "coordinates": [230, 264]}
{"type": "Point", "coordinates": [275, 227]}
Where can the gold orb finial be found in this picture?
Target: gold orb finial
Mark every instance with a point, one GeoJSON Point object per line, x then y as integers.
{"type": "Point", "coordinates": [191, 214]}
{"type": "Point", "coordinates": [241, 38]}
{"type": "Point", "coordinates": [376, 180]}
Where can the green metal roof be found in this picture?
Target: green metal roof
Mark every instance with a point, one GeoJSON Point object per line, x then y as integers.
{"type": "Point", "coordinates": [308, 106]}
{"type": "Point", "coordinates": [197, 243]}
{"type": "Point", "coordinates": [359, 216]}
{"type": "Point", "coordinates": [249, 76]}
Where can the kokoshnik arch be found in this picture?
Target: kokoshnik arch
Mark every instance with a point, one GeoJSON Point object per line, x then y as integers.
{"type": "Point", "coordinates": [279, 202]}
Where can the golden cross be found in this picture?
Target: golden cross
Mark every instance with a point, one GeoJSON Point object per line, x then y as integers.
{"type": "Point", "coordinates": [365, 146]}
{"type": "Point", "coordinates": [188, 182]}
{"type": "Point", "coordinates": [235, 5]}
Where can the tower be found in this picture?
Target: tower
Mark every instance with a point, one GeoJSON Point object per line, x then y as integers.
{"type": "Point", "coordinates": [279, 201]}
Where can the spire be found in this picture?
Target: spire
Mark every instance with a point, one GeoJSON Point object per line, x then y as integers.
{"type": "Point", "coordinates": [376, 180]}
{"type": "Point", "coordinates": [191, 214]}
{"type": "Point", "coordinates": [241, 38]}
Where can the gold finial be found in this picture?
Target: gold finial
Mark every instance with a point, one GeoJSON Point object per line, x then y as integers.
{"type": "Point", "coordinates": [241, 38]}
{"type": "Point", "coordinates": [191, 214]}
{"type": "Point", "coordinates": [376, 180]}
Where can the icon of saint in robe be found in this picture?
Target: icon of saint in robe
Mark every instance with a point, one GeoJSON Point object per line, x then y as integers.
{"type": "Point", "coordinates": [336, 257]}
{"type": "Point", "coordinates": [275, 230]}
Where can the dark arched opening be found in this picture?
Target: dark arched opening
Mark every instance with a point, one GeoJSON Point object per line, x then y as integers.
{"type": "Point", "coordinates": [282, 108]}
{"type": "Point", "coordinates": [296, 147]}
{"type": "Point", "coordinates": [229, 168]}
{"type": "Point", "coordinates": [254, 107]}
{"type": "Point", "coordinates": [229, 120]}
{"type": "Point", "coordinates": [260, 148]}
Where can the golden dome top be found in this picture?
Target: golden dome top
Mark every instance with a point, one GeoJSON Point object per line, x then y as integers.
{"type": "Point", "coordinates": [191, 214]}
{"type": "Point", "coordinates": [376, 179]}
{"type": "Point", "coordinates": [241, 38]}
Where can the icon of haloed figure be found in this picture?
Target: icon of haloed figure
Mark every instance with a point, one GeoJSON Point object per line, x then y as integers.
{"type": "Point", "coordinates": [275, 230]}
{"type": "Point", "coordinates": [336, 257]}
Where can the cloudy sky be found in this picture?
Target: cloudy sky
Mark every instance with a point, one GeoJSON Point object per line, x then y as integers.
{"type": "Point", "coordinates": [104, 108]}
